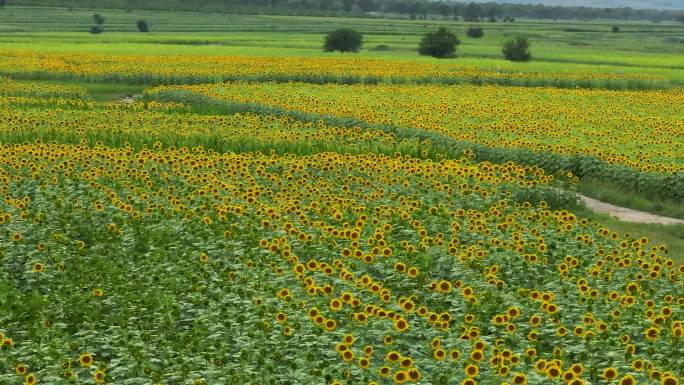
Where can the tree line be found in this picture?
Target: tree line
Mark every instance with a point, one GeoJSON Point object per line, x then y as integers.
{"type": "Point", "coordinates": [417, 9]}
{"type": "Point", "coordinates": [441, 43]}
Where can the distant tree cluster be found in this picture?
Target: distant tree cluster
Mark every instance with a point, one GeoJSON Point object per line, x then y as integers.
{"type": "Point", "coordinates": [99, 20]}
{"type": "Point", "coordinates": [517, 49]}
{"type": "Point", "coordinates": [97, 28]}
{"type": "Point", "coordinates": [475, 32]}
{"type": "Point", "coordinates": [343, 40]}
{"type": "Point", "coordinates": [416, 9]}
{"type": "Point", "coordinates": [440, 44]}
{"type": "Point", "coordinates": [142, 26]}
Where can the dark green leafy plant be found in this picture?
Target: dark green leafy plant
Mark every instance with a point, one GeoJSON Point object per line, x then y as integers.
{"type": "Point", "coordinates": [475, 32]}
{"type": "Point", "coordinates": [343, 40]}
{"type": "Point", "coordinates": [517, 49]}
{"type": "Point", "coordinates": [142, 26]}
{"type": "Point", "coordinates": [440, 44]}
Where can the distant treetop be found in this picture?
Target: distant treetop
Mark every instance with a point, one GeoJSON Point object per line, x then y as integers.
{"type": "Point", "coordinates": [343, 40]}
{"type": "Point", "coordinates": [415, 9]}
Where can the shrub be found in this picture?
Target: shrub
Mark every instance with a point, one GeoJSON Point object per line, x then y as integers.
{"type": "Point", "coordinates": [441, 44]}
{"type": "Point", "coordinates": [343, 40]}
{"type": "Point", "coordinates": [142, 26]}
{"type": "Point", "coordinates": [99, 20]}
{"type": "Point", "coordinates": [96, 29]}
{"type": "Point", "coordinates": [517, 49]}
{"type": "Point", "coordinates": [475, 32]}
{"type": "Point", "coordinates": [382, 47]}
{"type": "Point", "coordinates": [616, 29]}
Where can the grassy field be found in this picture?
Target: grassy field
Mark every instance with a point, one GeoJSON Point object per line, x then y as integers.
{"type": "Point", "coordinates": [312, 218]}
{"type": "Point", "coordinates": [643, 48]}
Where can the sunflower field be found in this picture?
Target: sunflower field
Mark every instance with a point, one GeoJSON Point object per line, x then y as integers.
{"type": "Point", "coordinates": [608, 135]}
{"type": "Point", "coordinates": [299, 239]}
{"type": "Point", "coordinates": [189, 69]}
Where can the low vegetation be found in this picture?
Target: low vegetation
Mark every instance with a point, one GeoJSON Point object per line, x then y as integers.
{"type": "Point", "coordinates": [343, 40]}
{"type": "Point", "coordinates": [517, 49]}
{"type": "Point", "coordinates": [475, 32]}
{"type": "Point", "coordinates": [440, 44]}
{"type": "Point", "coordinates": [142, 26]}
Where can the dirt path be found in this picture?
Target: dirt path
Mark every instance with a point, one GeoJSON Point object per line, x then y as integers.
{"type": "Point", "coordinates": [627, 215]}
{"type": "Point", "coordinates": [128, 99]}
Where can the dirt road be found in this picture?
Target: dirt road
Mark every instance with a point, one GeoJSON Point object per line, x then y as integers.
{"type": "Point", "coordinates": [627, 215]}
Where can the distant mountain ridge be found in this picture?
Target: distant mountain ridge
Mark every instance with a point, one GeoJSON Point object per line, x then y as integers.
{"type": "Point", "coordinates": [636, 4]}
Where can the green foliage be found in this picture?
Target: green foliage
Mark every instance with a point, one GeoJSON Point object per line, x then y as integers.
{"type": "Point", "coordinates": [440, 44]}
{"type": "Point", "coordinates": [99, 19]}
{"type": "Point", "coordinates": [475, 32]}
{"type": "Point", "coordinates": [517, 49]}
{"type": "Point", "coordinates": [142, 26]}
{"type": "Point", "coordinates": [382, 47]}
{"type": "Point", "coordinates": [343, 40]}
{"type": "Point", "coordinates": [96, 29]}
{"type": "Point", "coordinates": [615, 28]}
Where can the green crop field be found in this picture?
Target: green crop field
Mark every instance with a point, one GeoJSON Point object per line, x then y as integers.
{"type": "Point", "coordinates": [639, 47]}
{"type": "Point", "coordinates": [219, 201]}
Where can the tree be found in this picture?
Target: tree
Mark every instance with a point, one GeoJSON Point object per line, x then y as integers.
{"type": "Point", "coordinates": [517, 49]}
{"type": "Point", "coordinates": [616, 28]}
{"type": "Point", "coordinates": [473, 12]}
{"type": "Point", "coordinates": [475, 32]}
{"type": "Point", "coordinates": [343, 40]}
{"type": "Point", "coordinates": [440, 44]}
{"type": "Point", "coordinates": [96, 29]}
{"type": "Point", "coordinates": [142, 26]}
{"type": "Point", "coordinates": [348, 5]}
{"type": "Point", "coordinates": [421, 10]}
{"type": "Point", "coordinates": [444, 9]}
{"type": "Point", "coordinates": [492, 13]}
{"type": "Point", "coordinates": [2, 4]}
{"type": "Point", "coordinates": [367, 5]}
{"type": "Point", "coordinates": [99, 20]}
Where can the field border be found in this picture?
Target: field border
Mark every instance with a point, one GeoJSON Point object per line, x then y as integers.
{"type": "Point", "coordinates": [555, 82]}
